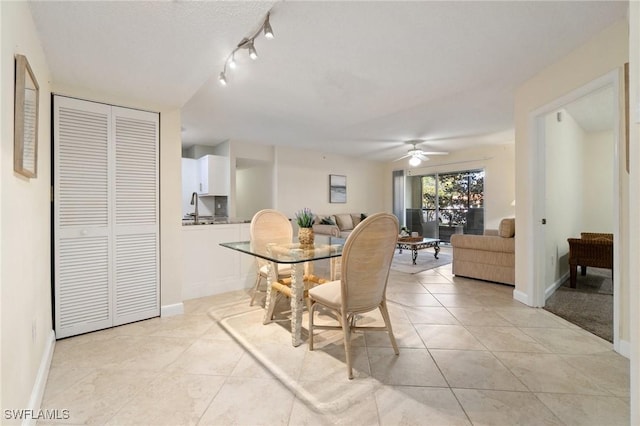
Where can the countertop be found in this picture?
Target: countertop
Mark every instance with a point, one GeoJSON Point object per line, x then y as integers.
{"type": "Point", "coordinates": [209, 220]}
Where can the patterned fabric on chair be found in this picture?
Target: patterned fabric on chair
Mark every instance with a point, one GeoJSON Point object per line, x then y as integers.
{"type": "Point", "coordinates": [366, 259]}
{"type": "Point", "coordinates": [591, 249]}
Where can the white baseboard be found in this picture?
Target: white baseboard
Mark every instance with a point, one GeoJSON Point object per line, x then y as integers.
{"type": "Point", "coordinates": [624, 348]}
{"type": "Point", "coordinates": [35, 400]}
{"type": "Point", "coordinates": [521, 297]}
{"type": "Point", "coordinates": [553, 287]}
{"type": "Point", "coordinates": [171, 310]}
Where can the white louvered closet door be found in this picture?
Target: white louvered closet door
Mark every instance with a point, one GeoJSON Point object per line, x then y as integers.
{"type": "Point", "coordinates": [136, 215]}
{"type": "Point", "coordinates": [105, 216]}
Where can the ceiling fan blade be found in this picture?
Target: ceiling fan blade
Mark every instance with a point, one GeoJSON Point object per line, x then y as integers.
{"type": "Point", "coordinates": [434, 153]}
{"type": "Point", "coordinates": [403, 157]}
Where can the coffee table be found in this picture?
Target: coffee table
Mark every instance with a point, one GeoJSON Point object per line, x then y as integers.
{"type": "Point", "coordinates": [414, 244]}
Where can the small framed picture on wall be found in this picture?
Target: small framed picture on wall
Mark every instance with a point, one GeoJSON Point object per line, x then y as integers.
{"type": "Point", "coordinates": [25, 142]}
{"type": "Point", "coordinates": [337, 189]}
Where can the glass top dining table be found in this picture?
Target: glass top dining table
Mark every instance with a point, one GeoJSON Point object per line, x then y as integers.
{"type": "Point", "coordinates": [297, 255]}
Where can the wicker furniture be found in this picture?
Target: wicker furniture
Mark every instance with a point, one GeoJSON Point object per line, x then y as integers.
{"type": "Point", "coordinates": [269, 226]}
{"type": "Point", "coordinates": [367, 257]}
{"type": "Point", "coordinates": [300, 258]}
{"type": "Point", "coordinates": [591, 249]}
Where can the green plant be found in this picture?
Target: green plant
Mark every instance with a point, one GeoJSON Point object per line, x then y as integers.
{"type": "Point", "coordinates": [304, 218]}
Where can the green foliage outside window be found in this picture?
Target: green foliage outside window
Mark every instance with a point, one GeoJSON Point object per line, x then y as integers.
{"type": "Point", "coordinates": [456, 194]}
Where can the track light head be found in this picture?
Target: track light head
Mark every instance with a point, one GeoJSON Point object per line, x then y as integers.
{"type": "Point", "coordinates": [252, 51]}
{"type": "Point", "coordinates": [222, 79]}
{"type": "Point", "coordinates": [268, 31]}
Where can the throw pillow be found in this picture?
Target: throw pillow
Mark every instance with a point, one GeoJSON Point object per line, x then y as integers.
{"type": "Point", "coordinates": [507, 228]}
{"type": "Point", "coordinates": [327, 221]}
{"type": "Point", "coordinates": [345, 223]}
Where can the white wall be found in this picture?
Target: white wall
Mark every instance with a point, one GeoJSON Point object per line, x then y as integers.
{"type": "Point", "coordinates": [579, 189]}
{"type": "Point", "coordinates": [240, 151]}
{"type": "Point", "coordinates": [302, 180]}
{"type": "Point", "coordinates": [25, 223]}
{"type": "Point", "coordinates": [564, 175]}
{"type": "Point", "coordinates": [597, 192]}
{"type": "Point", "coordinates": [25, 257]}
{"type": "Point", "coordinates": [254, 189]}
{"type": "Point", "coordinates": [606, 52]}
{"type": "Point", "coordinates": [499, 183]}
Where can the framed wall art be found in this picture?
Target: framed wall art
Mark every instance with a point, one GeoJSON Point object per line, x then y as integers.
{"type": "Point", "coordinates": [25, 132]}
{"type": "Point", "coordinates": [337, 189]}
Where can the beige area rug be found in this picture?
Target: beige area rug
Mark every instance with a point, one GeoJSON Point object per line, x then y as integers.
{"type": "Point", "coordinates": [425, 261]}
{"type": "Point", "coordinates": [318, 377]}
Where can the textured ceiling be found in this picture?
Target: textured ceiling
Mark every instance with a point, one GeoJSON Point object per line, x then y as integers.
{"type": "Point", "coordinates": [356, 78]}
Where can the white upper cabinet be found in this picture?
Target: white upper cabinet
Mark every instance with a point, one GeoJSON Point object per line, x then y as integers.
{"type": "Point", "coordinates": [214, 175]}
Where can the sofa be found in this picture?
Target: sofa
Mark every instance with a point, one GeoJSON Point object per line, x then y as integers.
{"type": "Point", "coordinates": [337, 225]}
{"type": "Point", "coordinates": [489, 257]}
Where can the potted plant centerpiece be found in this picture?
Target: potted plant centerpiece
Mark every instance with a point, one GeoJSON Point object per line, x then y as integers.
{"type": "Point", "coordinates": [304, 219]}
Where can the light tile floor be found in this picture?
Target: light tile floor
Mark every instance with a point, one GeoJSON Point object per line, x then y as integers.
{"type": "Point", "coordinates": [469, 354]}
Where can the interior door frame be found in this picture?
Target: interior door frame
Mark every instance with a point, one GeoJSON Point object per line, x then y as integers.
{"type": "Point", "coordinates": [537, 286]}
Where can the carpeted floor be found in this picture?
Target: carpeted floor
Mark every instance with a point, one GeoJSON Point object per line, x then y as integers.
{"type": "Point", "coordinates": [590, 305]}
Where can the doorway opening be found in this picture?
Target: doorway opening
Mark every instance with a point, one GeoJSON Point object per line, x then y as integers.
{"type": "Point", "coordinates": [577, 180]}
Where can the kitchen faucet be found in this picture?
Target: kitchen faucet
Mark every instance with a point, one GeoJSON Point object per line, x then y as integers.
{"type": "Point", "coordinates": [194, 202]}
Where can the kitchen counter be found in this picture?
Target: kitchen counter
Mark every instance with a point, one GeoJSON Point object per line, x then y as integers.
{"type": "Point", "coordinates": [208, 220]}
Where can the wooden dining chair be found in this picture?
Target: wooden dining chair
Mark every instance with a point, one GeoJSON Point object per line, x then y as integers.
{"type": "Point", "coordinates": [269, 226]}
{"type": "Point", "coordinates": [366, 259]}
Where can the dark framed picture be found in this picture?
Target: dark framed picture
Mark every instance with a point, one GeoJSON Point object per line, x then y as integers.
{"type": "Point", "coordinates": [337, 189]}
{"type": "Point", "coordinates": [25, 132]}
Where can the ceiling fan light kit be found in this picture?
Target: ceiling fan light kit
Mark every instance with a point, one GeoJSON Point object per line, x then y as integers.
{"type": "Point", "coordinates": [417, 155]}
{"type": "Point", "coordinates": [246, 43]}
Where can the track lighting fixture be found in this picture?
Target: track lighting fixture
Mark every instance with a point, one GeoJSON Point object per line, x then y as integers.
{"type": "Point", "coordinates": [246, 43]}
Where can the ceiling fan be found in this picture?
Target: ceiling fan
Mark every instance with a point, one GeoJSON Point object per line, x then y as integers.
{"type": "Point", "coordinates": [418, 155]}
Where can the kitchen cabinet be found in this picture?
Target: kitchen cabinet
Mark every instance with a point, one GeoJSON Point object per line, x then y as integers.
{"type": "Point", "coordinates": [209, 268]}
{"type": "Point", "coordinates": [214, 175]}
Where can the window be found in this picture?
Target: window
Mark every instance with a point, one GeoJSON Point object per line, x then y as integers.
{"type": "Point", "coordinates": [450, 203]}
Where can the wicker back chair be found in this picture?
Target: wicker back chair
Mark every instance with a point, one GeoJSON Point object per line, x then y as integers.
{"type": "Point", "coordinates": [366, 259]}
{"type": "Point", "coordinates": [591, 249]}
{"type": "Point", "coordinates": [269, 226]}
